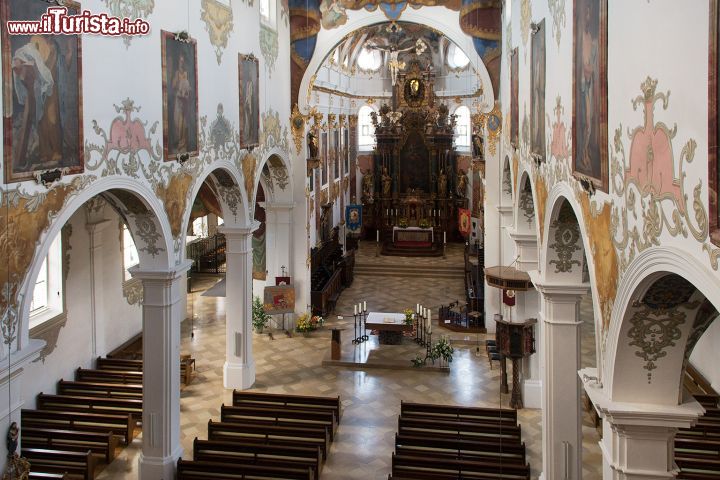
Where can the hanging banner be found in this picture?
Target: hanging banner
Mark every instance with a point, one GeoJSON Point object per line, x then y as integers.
{"type": "Point", "coordinates": [464, 222]}
{"type": "Point", "coordinates": [509, 298]}
{"type": "Point", "coordinates": [353, 218]}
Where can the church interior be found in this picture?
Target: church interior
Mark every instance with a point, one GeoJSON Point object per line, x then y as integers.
{"type": "Point", "coordinates": [360, 239]}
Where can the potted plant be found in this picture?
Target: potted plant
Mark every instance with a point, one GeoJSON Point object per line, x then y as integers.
{"type": "Point", "coordinates": [442, 350]}
{"type": "Point", "coordinates": [260, 318]}
{"type": "Point", "coordinates": [408, 316]}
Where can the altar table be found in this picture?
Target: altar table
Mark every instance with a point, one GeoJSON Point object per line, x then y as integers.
{"type": "Point", "coordinates": [413, 234]}
{"type": "Point", "coordinates": [390, 325]}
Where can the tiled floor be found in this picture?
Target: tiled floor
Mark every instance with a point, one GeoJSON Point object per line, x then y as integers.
{"type": "Point", "coordinates": [371, 398]}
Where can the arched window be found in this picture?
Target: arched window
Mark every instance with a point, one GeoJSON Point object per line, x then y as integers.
{"type": "Point", "coordinates": [47, 300]}
{"type": "Point", "coordinates": [456, 58]}
{"type": "Point", "coordinates": [463, 128]}
{"type": "Point", "coordinates": [267, 12]}
{"type": "Point", "coordinates": [366, 130]}
{"type": "Point", "coordinates": [130, 253]}
{"type": "Point", "coordinates": [369, 60]}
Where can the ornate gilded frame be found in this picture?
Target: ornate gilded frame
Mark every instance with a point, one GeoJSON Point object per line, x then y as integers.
{"type": "Point", "coordinates": [713, 133]}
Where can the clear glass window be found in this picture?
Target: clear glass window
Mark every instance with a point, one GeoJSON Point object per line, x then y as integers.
{"type": "Point", "coordinates": [366, 133]}
{"type": "Point", "coordinates": [130, 253]}
{"type": "Point", "coordinates": [463, 128]}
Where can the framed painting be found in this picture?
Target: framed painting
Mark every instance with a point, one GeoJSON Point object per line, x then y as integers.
{"type": "Point", "coordinates": [346, 149]}
{"type": "Point", "coordinates": [514, 92]}
{"type": "Point", "coordinates": [336, 152]}
{"type": "Point", "coordinates": [537, 124]}
{"type": "Point", "coordinates": [280, 299]}
{"type": "Point", "coordinates": [353, 218]}
{"type": "Point", "coordinates": [42, 88]}
{"type": "Point", "coordinates": [324, 158]}
{"type": "Point", "coordinates": [590, 131]}
{"type": "Point", "coordinates": [249, 81]}
{"type": "Point", "coordinates": [713, 123]}
{"type": "Point", "coordinates": [180, 96]}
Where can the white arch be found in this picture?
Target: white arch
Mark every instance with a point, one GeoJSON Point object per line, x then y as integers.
{"type": "Point", "coordinates": [641, 273]}
{"type": "Point", "coordinates": [524, 176]}
{"type": "Point", "coordinates": [278, 194]}
{"type": "Point", "coordinates": [162, 261]}
{"type": "Point", "coordinates": [438, 18]}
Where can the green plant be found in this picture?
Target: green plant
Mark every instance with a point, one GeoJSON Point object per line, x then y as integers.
{"type": "Point", "coordinates": [442, 349]}
{"type": "Point", "coordinates": [260, 318]}
{"type": "Point", "coordinates": [408, 316]}
{"type": "Point", "coordinates": [403, 222]}
{"type": "Point", "coordinates": [424, 223]}
{"type": "Point", "coordinates": [304, 324]}
{"type": "Point", "coordinates": [418, 361]}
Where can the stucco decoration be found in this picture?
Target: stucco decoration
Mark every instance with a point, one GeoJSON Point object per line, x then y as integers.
{"type": "Point", "coordinates": [492, 122]}
{"type": "Point", "coordinates": [541, 194]}
{"type": "Point", "coordinates": [218, 19]}
{"type": "Point", "coordinates": [525, 21]}
{"type": "Point", "coordinates": [174, 196]}
{"type": "Point", "coordinates": [132, 9]}
{"type": "Point", "coordinates": [249, 167]}
{"type": "Point", "coordinates": [515, 169]}
{"type": "Point", "coordinates": [278, 172]}
{"type": "Point", "coordinates": [269, 47]}
{"type": "Point", "coordinates": [22, 223]}
{"type": "Point", "coordinates": [525, 129]}
{"type": "Point", "coordinates": [273, 134]}
{"type": "Point", "coordinates": [231, 197]}
{"type": "Point", "coordinates": [133, 291]}
{"type": "Point", "coordinates": [506, 181]}
{"type": "Point", "coordinates": [525, 202]}
{"type": "Point", "coordinates": [557, 12]}
{"type": "Point", "coordinates": [567, 240]}
{"type": "Point", "coordinates": [653, 187]}
{"type": "Point", "coordinates": [146, 230]}
{"type": "Point", "coordinates": [48, 331]}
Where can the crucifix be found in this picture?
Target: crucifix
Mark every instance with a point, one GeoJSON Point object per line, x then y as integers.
{"type": "Point", "coordinates": [394, 50]}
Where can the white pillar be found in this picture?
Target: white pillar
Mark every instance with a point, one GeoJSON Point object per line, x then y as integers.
{"type": "Point", "coordinates": [279, 225]}
{"type": "Point", "coordinates": [239, 369]}
{"type": "Point", "coordinates": [561, 406]}
{"type": "Point", "coordinates": [638, 439]}
{"type": "Point", "coordinates": [162, 316]}
{"type": "Point", "coordinates": [97, 303]}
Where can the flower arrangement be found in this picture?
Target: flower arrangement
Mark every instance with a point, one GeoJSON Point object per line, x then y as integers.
{"type": "Point", "coordinates": [307, 323]}
{"type": "Point", "coordinates": [408, 316]}
{"type": "Point", "coordinates": [424, 223]}
{"type": "Point", "coordinates": [418, 361]}
{"type": "Point", "coordinates": [317, 321]}
{"type": "Point", "coordinates": [259, 317]}
{"type": "Point", "coordinates": [403, 222]}
{"type": "Point", "coordinates": [442, 349]}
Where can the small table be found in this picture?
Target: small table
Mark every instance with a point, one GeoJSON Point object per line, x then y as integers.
{"type": "Point", "coordinates": [390, 325]}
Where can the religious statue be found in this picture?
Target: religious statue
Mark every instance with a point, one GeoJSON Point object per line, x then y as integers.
{"type": "Point", "coordinates": [386, 183]}
{"type": "Point", "coordinates": [367, 184]}
{"type": "Point", "coordinates": [12, 439]}
{"type": "Point", "coordinates": [16, 467]}
{"type": "Point", "coordinates": [394, 64]}
{"type": "Point", "coordinates": [477, 145]}
{"type": "Point", "coordinates": [313, 146]}
{"type": "Point", "coordinates": [462, 184]}
{"type": "Point", "coordinates": [442, 184]}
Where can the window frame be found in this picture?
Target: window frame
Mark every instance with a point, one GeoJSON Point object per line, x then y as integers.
{"type": "Point", "coordinates": [126, 277]}
{"type": "Point", "coordinates": [55, 307]}
{"type": "Point", "coordinates": [269, 21]}
{"type": "Point", "coordinates": [468, 135]}
{"type": "Point", "coordinates": [365, 147]}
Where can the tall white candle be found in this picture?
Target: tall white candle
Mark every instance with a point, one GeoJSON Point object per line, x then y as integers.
{"type": "Point", "coordinates": [378, 236]}
{"type": "Point", "coordinates": [355, 309]}
{"type": "Point", "coordinates": [417, 308]}
{"type": "Point", "coordinates": [429, 325]}
{"type": "Point", "coordinates": [444, 237]}
{"type": "Point", "coordinates": [364, 306]}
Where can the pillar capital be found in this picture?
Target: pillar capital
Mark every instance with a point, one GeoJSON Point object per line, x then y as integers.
{"type": "Point", "coordinates": [170, 274]}
{"type": "Point", "coordinates": [558, 292]}
{"type": "Point", "coordinates": [279, 206]}
{"type": "Point", "coordinates": [238, 232]}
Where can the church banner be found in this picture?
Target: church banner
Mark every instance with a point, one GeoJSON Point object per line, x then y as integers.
{"type": "Point", "coordinates": [464, 221]}
{"type": "Point", "coordinates": [353, 218]}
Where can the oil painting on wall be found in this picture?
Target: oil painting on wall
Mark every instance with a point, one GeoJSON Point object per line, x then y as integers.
{"type": "Point", "coordinates": [346, 149]}
{"type": "Point", "coordinates": [249, 79]}
{"type": "Point", "coordinates": [713, 123]}
{"type": "Point", "coordinates": [336, 152]}
{"type": "Point", "coordinates": [42, 85]}
{"type": "Point", "coordinates": [324, 158]}
{"type": "Point", "coordinates": [180, 96]}
{"type": "Point", "coordinates": [514, 92]}
{"type": "Point", "coordinates": [590, 155]}
{"type": "Point", "coordinates": [537, 124]}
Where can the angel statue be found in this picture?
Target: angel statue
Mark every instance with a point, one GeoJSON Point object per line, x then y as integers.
{"type": "Point", "coordinates": [462, 184]}
{"type": "Point", "coordinates": [394, 51]}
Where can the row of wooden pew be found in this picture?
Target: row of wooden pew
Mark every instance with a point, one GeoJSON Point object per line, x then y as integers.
{"type": "Point", "coordinates": [438, 442]}
{"type": "Point", "coordinates": [697, 449]}
{"type": "Point", "coordinates": [265, 436]}
{"type": "Point", "coordinates": [82, 426]}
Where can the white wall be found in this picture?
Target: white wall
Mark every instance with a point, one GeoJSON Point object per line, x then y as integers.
{"type": "Point", "coordinates": [705, 355]}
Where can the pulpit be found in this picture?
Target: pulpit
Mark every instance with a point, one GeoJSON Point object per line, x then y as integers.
{"type": "Point", "coordinates": [515, 340]}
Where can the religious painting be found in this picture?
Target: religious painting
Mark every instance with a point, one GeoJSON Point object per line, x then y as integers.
{"type": "Point", "coordinates": [353, 218]}
{"type": "Point", "coordinates": [590, 155]}
{"type": "Point", "coordinates": [336, 152]}
{"type": "Point", "coordinates": [346, 149]}
{"type": "Point", "coordinates": [464, 222]}
{"type": "Point", "coordinates": [713, 123]}
{"type": "Point", "coordinates": [537, 88]}
{"type": "Point", "coordinates": [514, 92]}
{"type": "Point", "coordinates": [180, 96]}
{"type": "Point", "coordinates": [324, 158]}
{"type": "Point", "coordinates": [42, 87]}
{"type": "Point", "coordinates": [280, 299]}
{"type": "Point", "coordinates": [249, 78]}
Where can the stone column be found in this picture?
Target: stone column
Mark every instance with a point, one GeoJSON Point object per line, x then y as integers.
{"type": "Point", "coordinates": [97, 304]}
{"type": "Point", "coordinates": [239, 369]}
{"type": "Point", "coordinates": [638, 439]}
{"type": "Point", "coordinates": [561, 406]}
{"type": "Point", "coordinates": [162, 316]}
{"type": "Point", "coordinates": [279, 221]}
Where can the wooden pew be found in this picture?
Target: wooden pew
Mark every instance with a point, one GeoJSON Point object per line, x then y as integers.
{"type": "Point", "coordinates": [228, 431]}
{"type": "Point", "coordinates": [708, 467]}
{"type": "Point", "coordinates": [459, 413]}
{"type": "Point", "coordinates": [47, 476]}
{"type": "Point", "coordinates": [108, 376]}
{"type": "Point", "coordinates": [103, 444]}
{"type": "Point", "coordinates": [123, 425]}
{"type": "Point", "coordinates": [187, 366]}
{"type": "Point", "coordinates": [280, 416]}
{"type": "Point", "coordinates": [465, 469]}
{"type": "Point", "coordinates": [324, 300]}
{"type": "Point", "coordinates": [304, 401]}
{"type": "Point", "coordinates": [202, 470]}
{"type": "Point", "coordinates": [61, 461]}
{"type": "Point", "coordinates": [498, 448]}
{"type": "Point", "coordinates": [130, 349]}
{"type": "Point", "coordinates": [278, 443]}
{"type": "Point", "coordinates": [72, 403]}
{"type": "Point", "coordinates": [96, 389]}
{"type": "Point", "coordinates": [231, 452]}
{"type": "Point", "coordinates": [422, 426]}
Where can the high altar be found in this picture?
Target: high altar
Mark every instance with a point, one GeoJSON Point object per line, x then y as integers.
{"type": "Point", "coordinates": [415, 180]}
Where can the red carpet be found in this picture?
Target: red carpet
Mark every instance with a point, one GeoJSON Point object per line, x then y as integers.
{"type": "Point", "coordinates": [413, 244]}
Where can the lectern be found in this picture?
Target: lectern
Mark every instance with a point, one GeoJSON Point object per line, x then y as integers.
{"type": "Point", "coordinates": [515, 340]}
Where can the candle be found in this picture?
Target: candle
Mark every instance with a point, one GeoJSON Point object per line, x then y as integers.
{"type": "Point", "coordinates": [355, 309]}
{"type": "Point", "coordinates": [417, 308]}
{"type": "Point", "coordinates": [378, 236]}
{"type": "Point", "coordinates": [429, 323]}
{"type": "Point", "coordinates": [444, 237]}
{"type": "Point", "coordinates": [364, 306]}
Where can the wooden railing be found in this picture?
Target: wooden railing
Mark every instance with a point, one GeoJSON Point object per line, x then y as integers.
{"type": "Point", "coordinates": [208, 254]}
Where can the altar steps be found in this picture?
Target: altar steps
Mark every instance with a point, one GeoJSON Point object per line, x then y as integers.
{"type": "Point", "coordinates": [395, 250]}
{"type": "Point", "coordinates": [403, 270]}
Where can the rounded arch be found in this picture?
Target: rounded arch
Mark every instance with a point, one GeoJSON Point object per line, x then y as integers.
{"type": "Point", "coordinates": [636, 369]}
{"type": "Point", "coordinates": [141, 210]}
{"type": "Point", "coordinates": [526, 221]}
{"type": "Point", "coordinates": [442, 20]}
{"type": "Point", "coordinates": [279, 185]}
{"type": "Point", "coordinates": [506, 190]}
